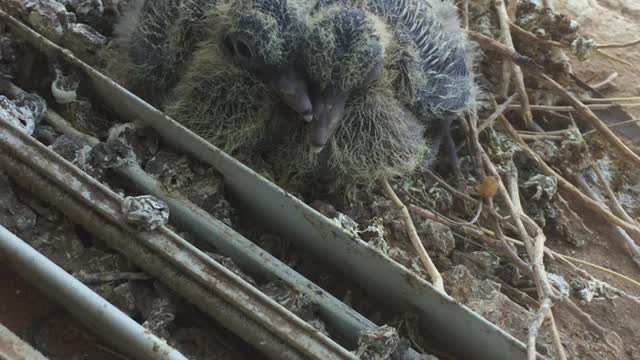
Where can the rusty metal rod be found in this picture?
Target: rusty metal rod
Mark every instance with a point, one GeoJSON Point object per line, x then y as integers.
{"type": "Point", "coordinates": [14, 348]}
{"type": "Point", "coordinates": [96, 313]}
{"type": "Point", "coordinates": [191, 273]}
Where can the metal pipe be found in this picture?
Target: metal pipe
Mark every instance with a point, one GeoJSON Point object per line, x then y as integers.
{"type": "Point", "coordinates": [345, 321]}
{"type": "Point", "coordinates": [214, 289]}
{"type": "Point", "coordinates": [13, 348]}
{"type": "Point", "coordinates": [93, 311]}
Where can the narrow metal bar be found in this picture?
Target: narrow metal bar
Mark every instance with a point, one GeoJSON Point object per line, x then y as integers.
{"type": "Point", "coordinates": [346, 322]}
{"type": "Point", "coordinates": [13, 348]}
{"type": "Point", "coordinates": [216, 290]}
{"type": "Point", "coordinates": [96, 313]}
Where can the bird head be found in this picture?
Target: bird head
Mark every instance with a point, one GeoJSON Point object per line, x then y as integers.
{"type": "Point", "coordinates": [262, 37]}
{"type": "Point", "coordinates": [343, 53]}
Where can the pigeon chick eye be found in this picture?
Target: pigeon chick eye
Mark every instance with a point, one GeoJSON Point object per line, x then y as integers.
{"type": "Point", "coordinates": [242, 49]}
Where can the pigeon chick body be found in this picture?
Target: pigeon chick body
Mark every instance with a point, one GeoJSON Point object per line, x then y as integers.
{"type": "Point", "coordinates": [427, 57]}
{"type": "Point", "coordinates": [222, 67]}
{"type": "Point", "coordinates": [387, 77]}
{"type": "Point", "coordinates": [367, 131]}
{"type": "Point", "coordinates": [433, 64]}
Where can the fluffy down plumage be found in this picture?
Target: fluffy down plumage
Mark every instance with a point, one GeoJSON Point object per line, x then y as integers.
{"type": "Point", "coordinates": [218, 67]}
{"type": "Point", "coordinates": [403, 70]}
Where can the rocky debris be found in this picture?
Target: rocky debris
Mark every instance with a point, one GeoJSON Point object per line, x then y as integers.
{"type": "Point", "coordinates": [158, 307]}
{"type": "Point", "coordinates": [112, 155]}
{"type": "Point", "coordinates": [143, 140]}
{"type": "Point", "coordinates": [436, 238]}
{"type": "Point", "coordinates": [83, 40]}
{"type": "Point", "coordinates": [378, 344]}
{"type": "Point", "coordinates": [9, 54]}
{"type": "Point", "coordinates": [49, 18]}
{"type": "Point", "coordinates": [172, 170]}
{"type": "Point", "coordinates": [24, 111]}
{"type": "Point", "coordinates": [75, 24]}
{"type": "Point", "coordinates": [297, 303]}
{"type": "Point", "coordinates": [64, 87]}
{"type": "Point", "coordinates": [485, 298]}
{"type": "Point", "coordinates": [145, 212]}
{"type": "Point", "coordinates": [87, 11]}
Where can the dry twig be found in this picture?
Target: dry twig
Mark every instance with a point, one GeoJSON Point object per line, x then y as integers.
{"type": "Point", "coordinates": [606, 82]}
{"type": "Point", "coordinates": [499, 109]}
{"type": "Point", "coordinates": [532, 37]}
{"type": "Point", "coordinates": [534, 244]}
{"type": "Point", "coordinates": [613, 57]}
{"type": "Point", "coordinates": [452, 189]}
{"type": "Point", "coordinates": [560, 108]}
{"type": "Point", "coordinates": [433, 272]}
{"type": "Point", "coordinates": [621, 123]}
{"type": "Point", "coordinates": [610, 100]}
{"type": "Point", "coordinates": [618, 45]}
{"type": "Point", "coordinates": [565, 184]}
{"type": "Point", "coordinates": [534, 69]}
{"type": "Point", "coordinates": [515, 70]}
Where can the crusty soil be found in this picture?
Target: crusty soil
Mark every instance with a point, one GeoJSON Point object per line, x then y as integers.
{"type": "Point", "coordinates": [607, 21]}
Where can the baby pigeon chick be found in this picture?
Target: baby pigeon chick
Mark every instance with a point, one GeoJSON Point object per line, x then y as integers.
{"type": "Point", "coordinates": [386, 78]}
{"type": "Point", "coordinates": [425, 59]}
{"type": "Point", "coordinates": [157, 40]}
{"type": "Point", "coordinates": [368, 132]}
{"type": "Point", "coordinates": [232, 63]}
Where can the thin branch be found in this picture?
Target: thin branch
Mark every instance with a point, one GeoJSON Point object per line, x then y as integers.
{"type": "Point", "coordinates": [508, 247]}
{"type": "Point", "coordinates": [534, 69]}
{"type": "Point", "coordinates": [616, 207]}
{"type": "Point", "coordinates": [452, 189]}
{"type": "Point", "coordinates": [542, 136]}
{"type": "Point", "coordinates": [433, 272]}
{"type": "Point", "coordinates": [470, 127]}
{"type": "Point", "coordinates": [499, 109]}
{"type": "Point", "coordinates": [560, 108]}
{"type": "Point", "coordinates": [534, 245]}
{"type": "Point", "coordinates": [632, 228]}
{"type": "Point", "coordinates": [618, 45]}
{"type": "Point", "coordinates": [610, 100]}
{"type": "Point", "coordinates": [621, 123]}
{"type": "Point", "coordinates": [465, 13]}
{"type": "Point", "coordinates": [613, 57]}
{"type": "Point", "coordinates": [544, 311]}
{"type": "Point", "coordinates": [532, 37]}
{"type": "Point", "coordinates": [606, 82]}
{"type": "Point", "coordinates": [492, 44]}
{"type": "Point", "coordinates": [518, 77]}
{"type": "Point", "coordinates": [483, 233]}
{"type": "Point", "coordinates": [555, 336]}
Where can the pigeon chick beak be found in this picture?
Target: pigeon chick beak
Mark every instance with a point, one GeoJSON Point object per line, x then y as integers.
{"type": "Point", "coordinates": [292, 88]}
{"type": "Point", "coordinates": [327, 114]}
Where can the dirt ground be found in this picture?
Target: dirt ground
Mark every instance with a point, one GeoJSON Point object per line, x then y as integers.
{"type": "Point", "coordinates": [608, 21]}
